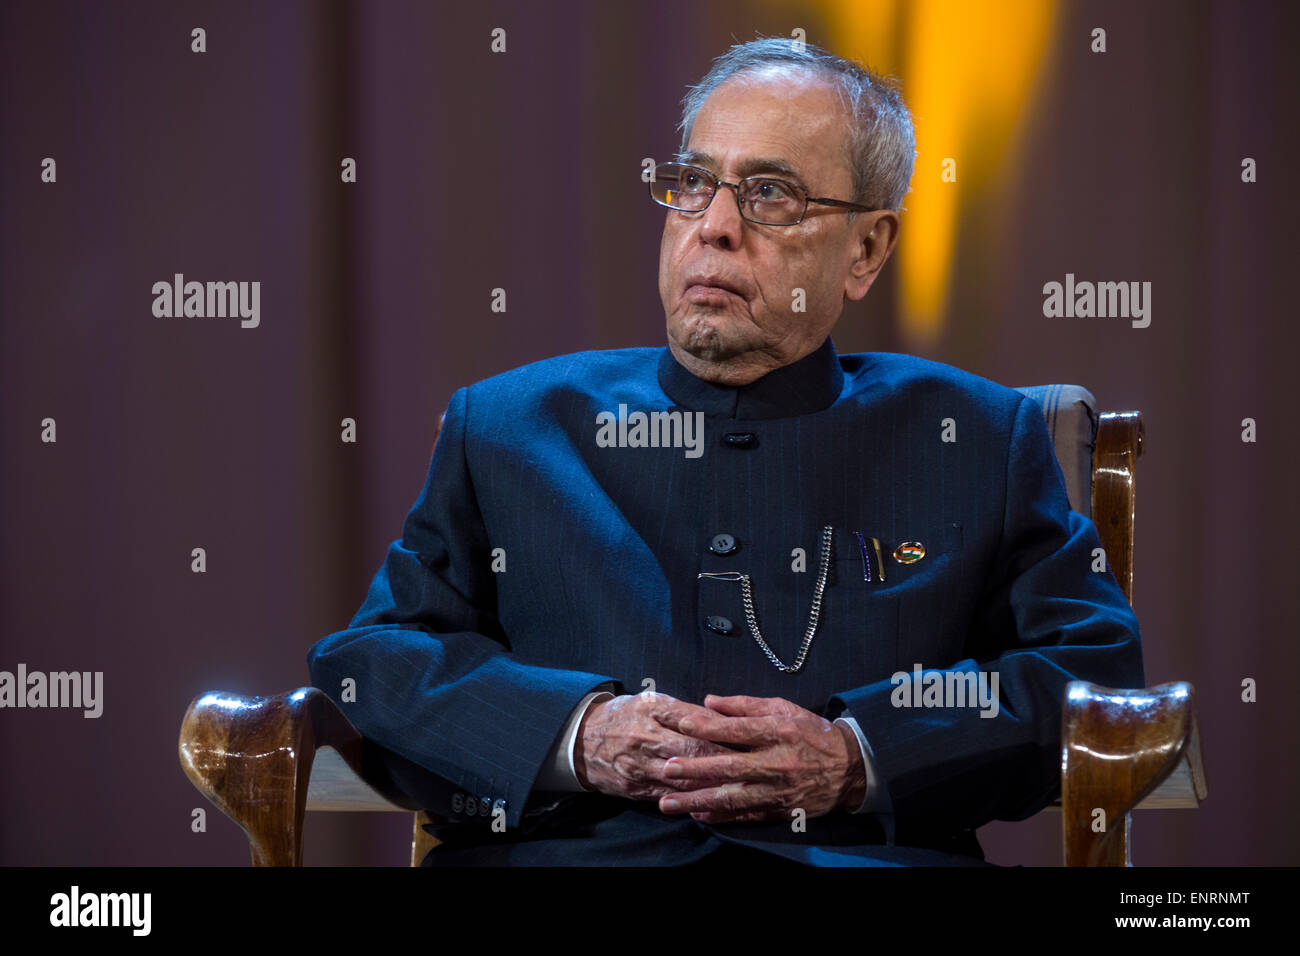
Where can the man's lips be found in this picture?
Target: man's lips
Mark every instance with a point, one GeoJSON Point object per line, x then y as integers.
{"type": "Point", "coordinates": [704, 289]}
{"type": "Point", "coordinates": [709, 294]}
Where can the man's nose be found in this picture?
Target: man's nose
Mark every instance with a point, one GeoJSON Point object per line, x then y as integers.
{"type": "Point", "coordinates": [721, 223]}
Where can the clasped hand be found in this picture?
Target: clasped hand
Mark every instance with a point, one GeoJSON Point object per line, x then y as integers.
{"type": "Point", "coordinates": [653, 746]}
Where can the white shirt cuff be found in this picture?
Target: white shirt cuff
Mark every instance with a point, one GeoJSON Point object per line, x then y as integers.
{"type": "Point", "coordinates": [559, 774]}
{"type": "Point", "coordinates": [877, 797]}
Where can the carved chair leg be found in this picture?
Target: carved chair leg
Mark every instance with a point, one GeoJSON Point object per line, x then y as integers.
{"type": "Point", "coordinates": [274, 831]}
{"type": "Point", "coordinates": [422, 842]}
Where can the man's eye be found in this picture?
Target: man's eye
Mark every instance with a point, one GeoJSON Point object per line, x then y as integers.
{"type": "Point", "coordinates": [769, 190]}
{"type": "Point", "coordinates": [691, 182]}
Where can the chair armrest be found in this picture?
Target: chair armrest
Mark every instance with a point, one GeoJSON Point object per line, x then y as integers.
{"type": "Point", "coordinates": [1118, 747]}
{"type": "Point", "coordinates": [253, 758]}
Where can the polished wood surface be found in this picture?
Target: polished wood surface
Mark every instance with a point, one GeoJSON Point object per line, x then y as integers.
{"type": "Point", "coordinates": [421, 842]}
{"type": "Point", "coordinates": [1118, 746]}
{"type": "Point", "coordinates": [253, 756]}
{"type": "Point", "coordinates": [1121, 440]}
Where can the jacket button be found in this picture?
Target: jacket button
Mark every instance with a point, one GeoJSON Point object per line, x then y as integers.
{"type": "Point", "coordinates": [718, 624]}
{"type": "Point", "coordinates": [740, 439]}
{"type": "Point", "coordinates": [723, 544]}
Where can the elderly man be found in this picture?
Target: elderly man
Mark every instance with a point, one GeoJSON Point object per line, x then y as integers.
{"type": "Point", "coordinates": [742, 597]}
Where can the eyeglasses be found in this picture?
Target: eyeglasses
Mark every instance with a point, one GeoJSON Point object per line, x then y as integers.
{"type": "Point", "coordinates": [768, 202]}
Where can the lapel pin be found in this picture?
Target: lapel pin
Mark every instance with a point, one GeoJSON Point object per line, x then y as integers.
{"type": "Point", "coordinates": [869, 547]}
{"type": "Point", "coordinates": [909, 552]}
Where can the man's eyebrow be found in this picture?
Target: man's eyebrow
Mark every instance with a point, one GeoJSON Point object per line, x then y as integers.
{"type": "Point", "coordinates": [752, 166]}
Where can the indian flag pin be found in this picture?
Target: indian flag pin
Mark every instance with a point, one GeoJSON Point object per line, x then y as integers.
{"type": "Point", "coordinates": [909, 552]}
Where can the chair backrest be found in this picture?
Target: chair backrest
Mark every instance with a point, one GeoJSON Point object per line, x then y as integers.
{"type": "Point", "coordinates": [1098, 458]}
{"type": "Point", "coordinates": [1071, 414]}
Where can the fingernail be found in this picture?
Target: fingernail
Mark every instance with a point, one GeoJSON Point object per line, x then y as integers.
{"type": "Point", "coordinates": [673, 770]}
{"type": "Point", "coordinates": [687, 725]}
{"type": "Point", "coordinates": [670, 803]}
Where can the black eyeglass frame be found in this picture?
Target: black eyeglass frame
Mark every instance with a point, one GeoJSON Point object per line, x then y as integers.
{"type": "Point", "coordinates": [793, 187]}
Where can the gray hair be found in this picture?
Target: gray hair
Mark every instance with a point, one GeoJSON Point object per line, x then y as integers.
{"type": "Point", "coordinates": [882, 143]}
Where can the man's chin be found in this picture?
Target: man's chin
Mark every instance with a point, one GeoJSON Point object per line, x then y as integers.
{"type": "Point", "coordinates": [703, 340]}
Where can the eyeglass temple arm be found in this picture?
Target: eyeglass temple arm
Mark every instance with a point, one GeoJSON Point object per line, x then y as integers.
{"type": "Point", "coordinates": [841, 202]}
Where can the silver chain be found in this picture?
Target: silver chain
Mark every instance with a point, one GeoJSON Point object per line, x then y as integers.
{"type": "Point", "coordinates": [814, 616]}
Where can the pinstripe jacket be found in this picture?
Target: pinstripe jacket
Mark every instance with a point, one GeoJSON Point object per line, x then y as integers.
{"type": "Point", "coordinates": [544, 558]}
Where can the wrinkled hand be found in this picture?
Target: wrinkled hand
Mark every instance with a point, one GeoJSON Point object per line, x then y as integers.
{"type": "Point", "coordinates": [623, 743]}
{"type": "Point", "coordinates": [796, 759]}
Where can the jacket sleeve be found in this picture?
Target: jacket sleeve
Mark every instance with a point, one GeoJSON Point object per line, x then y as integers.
{"type": "Point", "coordinates": [1045, 618]}
{"type": "Point", "coordinates": [435, 680]}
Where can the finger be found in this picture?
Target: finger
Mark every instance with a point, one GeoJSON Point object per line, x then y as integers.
{"type": "Point", "coordinates": [729, 798]}
{"type": "Point", "coordinates": [669, 744]}
{"type": "Point", "coordinates": [685, 786]}
{"type": "Point", "coordinates": [743, 706]}
{"type": "Point", "coordinates": [671, 712]}
{"type": "Point", "coordinates": [673, 784]}
{"type": "Point", "coordinates": [729, 767]}
{"type": "Point", "coordinates": [746, 731]}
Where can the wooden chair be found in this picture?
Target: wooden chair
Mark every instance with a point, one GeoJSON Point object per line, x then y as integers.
{"type": "Point", "coordinates": [266, 761]}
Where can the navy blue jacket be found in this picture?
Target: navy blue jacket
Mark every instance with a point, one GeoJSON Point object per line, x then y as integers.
{"type": "Point", "coordinates": [465, 675]}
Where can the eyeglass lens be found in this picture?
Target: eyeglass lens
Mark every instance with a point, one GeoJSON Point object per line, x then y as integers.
{"type": "Point", "coordinates": [690, 189]}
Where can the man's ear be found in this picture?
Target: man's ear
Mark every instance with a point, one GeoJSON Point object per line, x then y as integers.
{"type": "Point", "coordinates": [875, 234]}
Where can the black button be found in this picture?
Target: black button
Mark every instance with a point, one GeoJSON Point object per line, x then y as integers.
{"type": "Point", "coordinates": [740, 439]}
{"type": "Point", "coordinates": [723, 544]}
{"type": "Point", "coordinates": [718, 624]}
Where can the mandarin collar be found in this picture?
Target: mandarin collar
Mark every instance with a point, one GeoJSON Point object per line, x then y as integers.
{"type": "Point", "coordinates": [809, 385]}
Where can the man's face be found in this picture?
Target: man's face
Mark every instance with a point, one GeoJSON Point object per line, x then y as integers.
{"type": "Point", "coordinates": [747, 125]}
